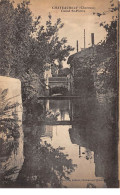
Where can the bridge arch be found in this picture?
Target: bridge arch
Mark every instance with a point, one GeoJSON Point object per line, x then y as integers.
{"type": "Point", "coordinates": [58, 85]}
{"type": "Point", "coordinates": [62, 90]}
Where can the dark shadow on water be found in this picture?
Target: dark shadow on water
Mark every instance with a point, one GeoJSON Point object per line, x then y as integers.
{"type": "Point", "coordinates": [98, 132]}
{"type": "Point", "coordinates": [94, 127]}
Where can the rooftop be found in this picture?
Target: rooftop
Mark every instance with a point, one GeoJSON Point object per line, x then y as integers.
{"type": "Point", "coordinates": [88, 52]}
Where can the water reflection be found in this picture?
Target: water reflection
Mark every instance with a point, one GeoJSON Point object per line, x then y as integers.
{"type": "Point", "coordinates": [80, 153]}
{"type": "Point", "coordinates": [59, 108]}
{"type": "Point", "coordinates": [44, 165]}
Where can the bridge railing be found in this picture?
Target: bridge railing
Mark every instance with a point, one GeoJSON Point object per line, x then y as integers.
{"type": "Point", "coordinates": [58, 79]}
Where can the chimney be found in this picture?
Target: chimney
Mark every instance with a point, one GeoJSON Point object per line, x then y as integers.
{"type": "Point", "coordinates": [92, 39]}
{"type": "Point", "coordinates": [84, 38]}
{"type": "Point", "coordinates": [77, 46]}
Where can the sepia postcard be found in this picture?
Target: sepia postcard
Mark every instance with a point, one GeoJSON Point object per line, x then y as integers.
{"type": "Point", "coordinates": [59, 94]}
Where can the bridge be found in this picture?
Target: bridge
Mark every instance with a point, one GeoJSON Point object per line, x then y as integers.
{"type": "Point", "coordinates": [59, 82]}
{"type": "Point", "coordinates": [59, 97]}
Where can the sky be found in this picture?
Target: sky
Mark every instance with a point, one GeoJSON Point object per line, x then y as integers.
{"type": "Point", "coordinates": [75, 22]}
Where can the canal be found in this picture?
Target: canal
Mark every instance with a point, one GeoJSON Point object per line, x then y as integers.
{"type": "Point", "coordinates": [74, 146]}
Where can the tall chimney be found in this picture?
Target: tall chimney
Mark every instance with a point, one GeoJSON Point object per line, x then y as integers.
{"type": "Point", "coordinates": [92, 39]}
{"type": "Point", "coordinates": [84, 38]}
{"type": "Point", "coordinates": [77, 45]}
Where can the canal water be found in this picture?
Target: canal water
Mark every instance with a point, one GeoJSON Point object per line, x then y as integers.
{"type": "Point", "coordinates": [75, 146]}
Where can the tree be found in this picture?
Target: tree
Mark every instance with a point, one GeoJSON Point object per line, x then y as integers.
{"type": "Point", "coordinates": [16, 26]}
{"type": "Point", "coordinates": [107, 55]}
{"type": "Point", "coordinates": [6, 36]}
{"type": "Point", "coordinates": [25, 44]}
{"type": "Point", "coordinates": [52, 48]}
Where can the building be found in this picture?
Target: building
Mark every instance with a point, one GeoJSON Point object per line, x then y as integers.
{"type": "Point", "coordinates": [81, 75]}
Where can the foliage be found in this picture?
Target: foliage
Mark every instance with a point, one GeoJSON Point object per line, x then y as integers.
{"type": "Point", "coordinates": [9, 127]}
{"type": "Point", "coordinates": [6, 177]}
{"type": "Point", "coordinates": [31, 85]}
{"type": "Point", "coordinates": [6, 36]}
{"type": "Point", "coordinates": [106, 59]}
{"type": "Point", "coordinates": [64, 72]}
{"type": "Point", "coordinates": [25, 44]}
{"type": "Point", "coordinates": [51, 116]}
{"type": "Point", "coordinates": [49, 166]}
{"type": "Point", "coordinates": [8, 119]}
{"type": "Point", "coordinates": [52, 48]}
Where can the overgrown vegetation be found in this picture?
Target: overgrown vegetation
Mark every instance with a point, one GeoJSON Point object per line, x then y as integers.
{"type": "Point", "coordinates": [8, 117]}
{"type": "Point", "coordinates": [27, 48]}
{"type": "Point", "coordinates": [27, 45]}
{"type": "Point", "coordinates": [106, 60]}
{"type": "Point", "coordinates": [49, 166]}
{"type": "Point", "coordinates": [9, 128]}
